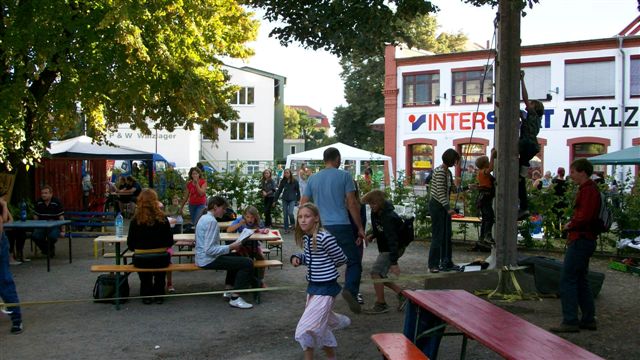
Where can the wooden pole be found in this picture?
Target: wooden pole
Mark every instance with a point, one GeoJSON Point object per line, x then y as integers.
{"type": "Point", "coordinates": [507, 80]}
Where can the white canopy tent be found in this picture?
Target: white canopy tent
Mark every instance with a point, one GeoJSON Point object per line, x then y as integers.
{"type": "Point", "coordinates": [346, 153]}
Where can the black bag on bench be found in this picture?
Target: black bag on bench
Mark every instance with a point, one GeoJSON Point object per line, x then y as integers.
{"type": "Point", "coordinates": [151, 260]}
{"type": "Point", "coordinates": [105, 288]}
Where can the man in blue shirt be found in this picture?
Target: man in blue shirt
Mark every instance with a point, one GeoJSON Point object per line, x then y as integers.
{"type": "Point", "coordinates": [333, 192]}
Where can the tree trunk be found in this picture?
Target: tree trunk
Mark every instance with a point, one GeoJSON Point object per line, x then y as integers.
{"type": "Point", "coordinates": [507, 79]}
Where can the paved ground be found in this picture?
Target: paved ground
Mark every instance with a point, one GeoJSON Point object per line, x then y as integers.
{"type": "Point", "coordinates": [205, 327]}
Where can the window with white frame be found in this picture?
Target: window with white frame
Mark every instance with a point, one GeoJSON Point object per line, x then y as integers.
{"type": "Point", "coordinates": [471, 86]}
{"type": "Point", "coordinates": [253, 167]}
{"type": "Point", "coordinates": [589, 78]}
{"type": "Point", "coordinates": [634, 74]}
{"type": "Point", "coordinates": [538, 81]}
{"type": "Point", "coordinates": [420, 89]}
{"type": "Point", "coordinates": [244, 96]}
{"type": "Point", "coordinates": [241, 130]}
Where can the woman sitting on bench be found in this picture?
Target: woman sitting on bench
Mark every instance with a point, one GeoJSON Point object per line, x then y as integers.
{"type": "Point", "coordinates": [149, 237]}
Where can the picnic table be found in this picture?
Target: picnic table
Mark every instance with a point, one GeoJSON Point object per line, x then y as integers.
{"type": "Point", "coordinates": [429, 312]}
{"type": "Point", "coordinates": [42, 224]}
{"type": "Point", "coordinates": [473, 220]}
{"type": "Point", "coordinates": [183, 240]}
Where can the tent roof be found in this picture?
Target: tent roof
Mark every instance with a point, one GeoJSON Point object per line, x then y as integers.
{"type": "Point", "coordinates": [83, 147]}
{"type": "Point", "coordinates": [628, 156]}
{"type": "Point", "coordinates": [346, 153]}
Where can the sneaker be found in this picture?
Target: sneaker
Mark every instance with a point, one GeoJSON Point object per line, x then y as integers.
{"type": "Point", "coordinates": [240, 304]}
{"type": "Point", "coordinates": [523, 214]}
{"type": "Point", "coordinates": [434, 270]}
{"type": "Point", "coordinates": [227, 296]}
{"type": "Point", "coordinates": [343, 322]}
{"type": "Point", "coordinates": [402, 302]}
{"type": "Point", "coordinates": [13, 261]}
{"type": "Point", "coordinates": [565, 328]}
{"type": "Point", "coordinates": [16, 328]}
{"type": "Point", "coordinates": [378, 308]}
{"type": "Point", "coordinates": [589, 326]}
{"type": "Point", "coordinates": [171, 289]}
{"type": "Point", "coordinates": [351, 301]}
{"type": "Point", "coordinates": [524, 171]}
{"type": "Point", "coordinates": [360, 299]}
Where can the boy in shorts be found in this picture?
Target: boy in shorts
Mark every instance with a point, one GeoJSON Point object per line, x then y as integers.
{"type": "Point", "coordinates": [387, 227]}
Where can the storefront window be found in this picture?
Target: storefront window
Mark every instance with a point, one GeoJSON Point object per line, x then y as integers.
{"type": "Point", "coordinates": [421, 162]}
{"type": "Point", "coordinates": [468, 155]}
{"type": "Point", "coordinates": [587, 150]}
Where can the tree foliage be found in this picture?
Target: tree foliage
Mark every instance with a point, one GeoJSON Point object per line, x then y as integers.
{"type": "Point", "coordinates": [364, 82]}
{"type": "Point", "coordinates": [342, 26]}
{"type": "Point", "coordinates": [297, 125]}
{"type": "Point", "coordinates": [119, 62]}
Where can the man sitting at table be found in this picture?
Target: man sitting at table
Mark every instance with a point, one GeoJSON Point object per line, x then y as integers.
{"type": "Point", "coordinates": [47, 208]}
{"type": "Point", "coordinates": [212, 253]}
{"type": "Point", "coordinates": [129, 195]}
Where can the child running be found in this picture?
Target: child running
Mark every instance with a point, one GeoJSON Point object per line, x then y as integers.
{"type": "Point", "coordinates": [322, 256]}
{"type": "Point", "coordinates": [250, 220]}
{"type": "Point", "coordinates": [387, 227]}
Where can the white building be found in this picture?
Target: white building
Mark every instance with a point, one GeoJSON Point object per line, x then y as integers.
{"type": "Point", "coordinates": [254, 138]}
{"type": "Point", "coordinates": [257, 136]}
{"type": "Point", "coordinates": [590, 90]}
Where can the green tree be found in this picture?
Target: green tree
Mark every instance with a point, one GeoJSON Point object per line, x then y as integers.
{"type": "Point", "coordinates": [116, 61]}
{"type": "Point", "coordinates": [292, 128]}
{"type": "Point", "coordinates": [342, 27]}
{"type": "Point", "coordinates": [364, 81]}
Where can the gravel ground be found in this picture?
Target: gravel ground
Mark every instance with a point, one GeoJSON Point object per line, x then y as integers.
{"type": "Point", "coordinates": [205, 327]}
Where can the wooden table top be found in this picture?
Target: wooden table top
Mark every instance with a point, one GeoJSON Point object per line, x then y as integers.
{"type": "Point", "coordinates": [35, 224]}
{"type": "Point", "coordinates": [499, 330]}
{"type": "Point", "coordinates": [272, 235]}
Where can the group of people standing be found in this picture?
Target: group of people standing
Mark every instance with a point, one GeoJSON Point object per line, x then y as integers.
{"type": "Point", "coordinates": [582, 228]}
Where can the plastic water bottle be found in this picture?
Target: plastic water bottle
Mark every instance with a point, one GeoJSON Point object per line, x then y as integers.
{"type": "Point", "coordinates": [119, 225]}
{"type": "Point", "coordinates": [23, 210]}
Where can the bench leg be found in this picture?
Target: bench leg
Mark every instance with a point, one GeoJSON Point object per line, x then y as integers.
{"type": "Point", "coordinates": [463, 351]}
{"type": "Point", "coordinates": [70, 257]}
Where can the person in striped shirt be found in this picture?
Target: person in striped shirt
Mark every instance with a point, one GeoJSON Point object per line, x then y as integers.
{"type": "Point", "coordinates": [322, 256]}
{"type": "Point", "coordinates": [440, 257]}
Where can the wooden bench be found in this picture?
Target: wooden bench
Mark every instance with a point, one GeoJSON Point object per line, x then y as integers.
{"type": "Point", "coordinates": [129, 254]}
{"type": "Point", "coordinates": [257, 264]}
{"type": "Point", "coordinates": [274, 245]}
{"type": "Point", "coordinates": [97, 221]}
{"type": "Point", "coordinates": [429, 312]}
{"type": "Point", "coordinates": [396, 346]}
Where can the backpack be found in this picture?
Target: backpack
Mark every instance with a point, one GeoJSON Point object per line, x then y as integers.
{"type": "Point", "coordinates": [407, 234]}
{"type": "Point", "coordinates": [105, 288]}
{"type": "Point", "coordinates": [605, 217]}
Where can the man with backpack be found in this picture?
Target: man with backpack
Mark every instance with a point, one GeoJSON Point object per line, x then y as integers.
{"type": "Point", "coordinates": [389, 232]}
{"type": "Point", "coordinates": [583, 230]}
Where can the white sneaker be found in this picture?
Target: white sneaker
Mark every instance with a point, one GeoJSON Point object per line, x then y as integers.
{"type": "Point", "coordinates": [227, 296]}
{"type": "Point", "coordinates": [240, 304]}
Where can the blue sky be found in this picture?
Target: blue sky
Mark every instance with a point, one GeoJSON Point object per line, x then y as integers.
{"type": "Point", "coordinates": [313, 76]}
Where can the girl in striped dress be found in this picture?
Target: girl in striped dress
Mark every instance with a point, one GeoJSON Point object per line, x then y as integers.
{"type": "Point", "coordinates": [322, 256]}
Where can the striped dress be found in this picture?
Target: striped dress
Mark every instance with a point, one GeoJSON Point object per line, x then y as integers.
{"type": "Point", "coordinates": [315, 328]}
